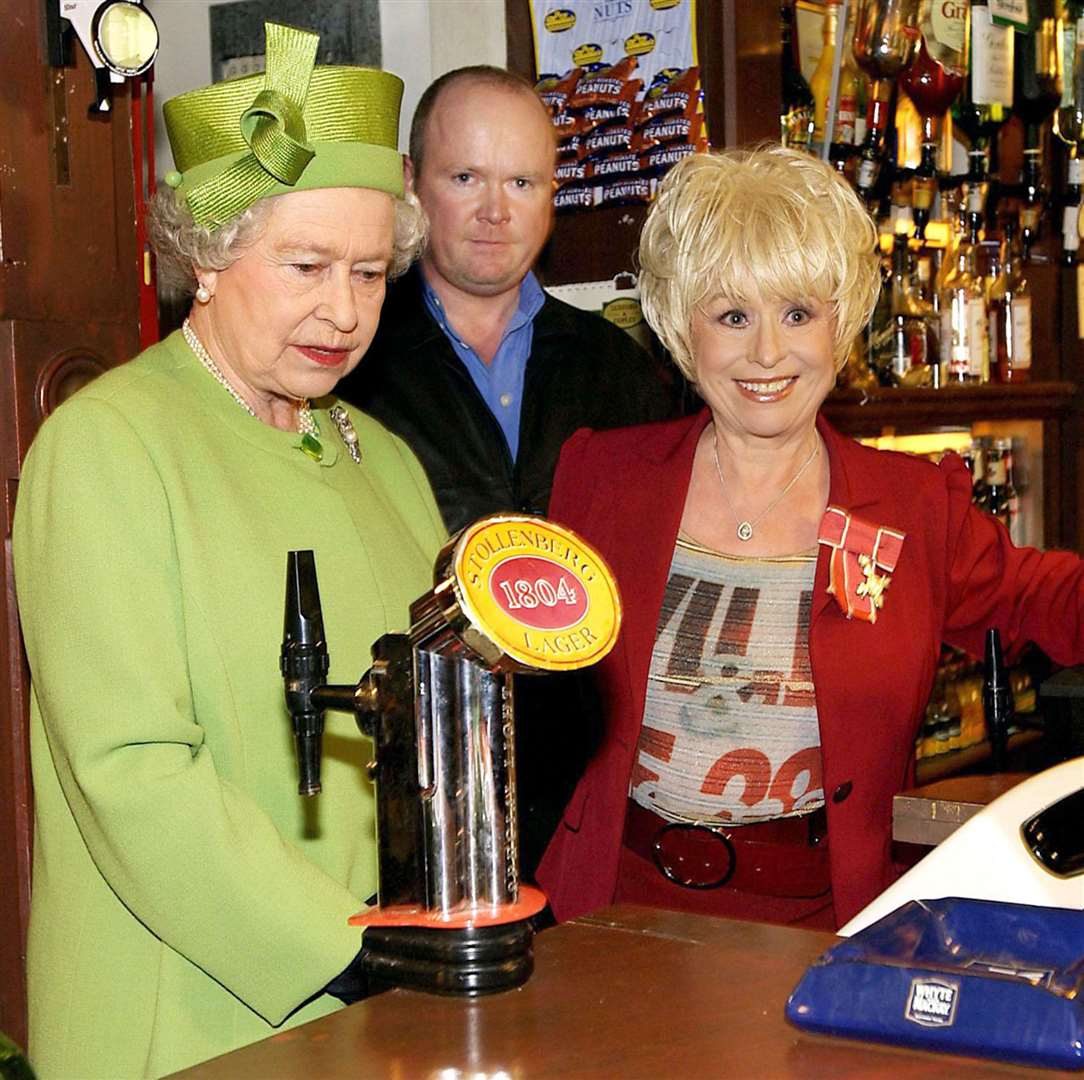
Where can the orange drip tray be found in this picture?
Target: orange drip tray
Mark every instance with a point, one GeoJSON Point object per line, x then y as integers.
{"type": "Point", "coordinates": [531, 901]}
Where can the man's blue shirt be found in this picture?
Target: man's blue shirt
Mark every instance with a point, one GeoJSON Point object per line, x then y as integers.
{"type": "Point", "coordinates": [500, 382]}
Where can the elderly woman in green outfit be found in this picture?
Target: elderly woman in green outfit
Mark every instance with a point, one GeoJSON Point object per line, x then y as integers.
{"type": "Point", "coordinates": [185, 902]}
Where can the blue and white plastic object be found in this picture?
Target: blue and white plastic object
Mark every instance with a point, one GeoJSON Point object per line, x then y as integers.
{"type": "Point", "coordinates": [977, 977]}
{"type": "Point", "coordinates": [988, 858]}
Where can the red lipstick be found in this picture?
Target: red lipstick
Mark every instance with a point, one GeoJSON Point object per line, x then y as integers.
{"type": "Point", "coordinates": [323, 357]}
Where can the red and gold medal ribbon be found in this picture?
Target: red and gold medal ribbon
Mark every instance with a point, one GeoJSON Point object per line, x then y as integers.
{"type": "Point", "coordinates": [863, 558]}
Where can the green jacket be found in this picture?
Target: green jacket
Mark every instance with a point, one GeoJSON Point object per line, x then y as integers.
{"type": "Point", "coordinates": [186, 901]}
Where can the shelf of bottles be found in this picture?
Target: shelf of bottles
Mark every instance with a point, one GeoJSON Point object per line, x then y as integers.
{"type": "Point", "coordinates": [954, 729]}
{"type": "Point", "coordinates": [911, 100]}
{"type": "Point", "coordinates": [907, 99]}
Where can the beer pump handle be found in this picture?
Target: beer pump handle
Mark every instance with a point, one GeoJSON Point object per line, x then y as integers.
{"type": "Point", "coordinates": [304, 665]}
{"type": "Point", "coordinates": [997, 700]}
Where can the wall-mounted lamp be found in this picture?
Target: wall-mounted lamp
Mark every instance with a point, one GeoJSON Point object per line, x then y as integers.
{"type": "Point", "coordinates": [119, 36]}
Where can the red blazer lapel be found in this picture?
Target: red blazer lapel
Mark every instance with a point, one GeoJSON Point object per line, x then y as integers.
{"type": "Point", "coordinates": [645, 526]}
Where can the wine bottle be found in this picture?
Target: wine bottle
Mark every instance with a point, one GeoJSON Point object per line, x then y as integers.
{"type": "Point", "coordinates": [796, 117]}
{"type": "Point", "coordinates": [984, 102]}
{"type": "Point", "coordinates": [886, 37]}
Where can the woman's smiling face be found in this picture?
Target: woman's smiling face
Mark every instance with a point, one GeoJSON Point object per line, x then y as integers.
{"type": "Point", "coordinates": [764, 366]}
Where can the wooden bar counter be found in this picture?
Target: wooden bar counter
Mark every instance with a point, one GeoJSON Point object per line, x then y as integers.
{"type": "Point", "coordinates": [624, 994]}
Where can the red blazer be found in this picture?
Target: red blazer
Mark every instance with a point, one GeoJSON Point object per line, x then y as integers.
{"type": "Point", "coordinates": [957, 574]}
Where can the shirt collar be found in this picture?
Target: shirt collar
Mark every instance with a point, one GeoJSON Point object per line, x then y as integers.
{"type": "Point", "coordinates": [531, 299]}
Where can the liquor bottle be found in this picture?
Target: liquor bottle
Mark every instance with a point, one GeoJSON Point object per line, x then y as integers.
{"type": "Point", "coordinates": [964, 329]}
{"type": "Point", "coordinates": [1069, 124]}
{"type": "Point", "coordinates": [1016, 523]}
{"type": "Point", "coordinates": [1000, 494]}
{"type": "Point", "coordinates": [796, 117]}
{"type": "Point", "coordinates": [861, 86]}
{"type": "Point", "coordinates": [910, 340]}
{"type": "Point", "coordinates": [922, 290]}
{"type": "Point", "coordinates": [885, 41]}
{"type": "Point", "coordinates": [1069, 117]}
{"type": "Point", "coordinates": [879, 332]}
{"type": "Point", "coordinates": [1010, 315]}
{"type": "Point", "coordinates": [852, 92]}
{"type": "Point", "coordinates": [1033, 196]}
{"type": "Point", "coordinates": [821, 85]}
{"type": "Point", "coordinates": [980, 493]}
{"type": "Point", "coordinates": [964, 694]}
{"type": "Point", "coordinates": [1037, 70]}
{"type": "Point", "coordinates": [976, 183]}
{"type": "Point", "coordinates": [1070, 222]}
{"type": "Point", "coordinates": [932, 88]}
{"type": "Point", "coordinates": [986, 98]}
{"type": "Point", "coordinates": [1037, 92]}
{"type": "Point", "coordinates": [967, 456]}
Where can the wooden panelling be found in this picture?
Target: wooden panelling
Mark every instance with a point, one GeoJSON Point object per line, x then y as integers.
{"type": "Point", "coordinates": [68, 307]}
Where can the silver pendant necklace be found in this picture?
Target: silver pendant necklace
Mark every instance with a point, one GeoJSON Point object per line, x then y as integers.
{"type": "Point", "coordinates": [745, 526]}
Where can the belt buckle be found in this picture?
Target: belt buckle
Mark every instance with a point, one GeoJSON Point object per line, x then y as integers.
{"type": "Point", "coordinates": [665, 861]}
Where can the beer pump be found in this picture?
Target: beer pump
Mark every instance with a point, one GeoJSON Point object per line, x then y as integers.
{"type": "Point", "coordinates": [512, 593]}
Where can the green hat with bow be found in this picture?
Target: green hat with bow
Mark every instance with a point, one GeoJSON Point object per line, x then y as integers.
{"type": "Point", "coordinates": [294, 127]}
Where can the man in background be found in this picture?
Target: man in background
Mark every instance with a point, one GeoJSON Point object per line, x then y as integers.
{"type": "Point", "coordinates": [485, 376]}
{"type": "Point", "coordinates": [473, 365]}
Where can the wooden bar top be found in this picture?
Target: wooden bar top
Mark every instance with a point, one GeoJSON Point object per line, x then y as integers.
{"type": "Point", "coordinates": [624, 994]}
{"type": "Point", "coordinates": [928, 814]}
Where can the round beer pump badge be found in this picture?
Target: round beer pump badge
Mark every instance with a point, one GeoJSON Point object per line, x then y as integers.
{"type": "Point", "coordinates": [538, 592]}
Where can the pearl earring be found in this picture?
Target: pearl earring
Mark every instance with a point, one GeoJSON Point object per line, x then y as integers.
{"type": "Point", "coordinates": [203, 294]}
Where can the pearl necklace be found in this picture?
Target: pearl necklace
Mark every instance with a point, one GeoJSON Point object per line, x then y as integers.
{"type": "Point", "coordinates": [745, 527]}
{"type": "Point", "coordinates": [306, 422]}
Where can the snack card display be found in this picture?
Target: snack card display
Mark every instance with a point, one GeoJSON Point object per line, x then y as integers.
{"type": "Point", "coordinates": [616, 138]}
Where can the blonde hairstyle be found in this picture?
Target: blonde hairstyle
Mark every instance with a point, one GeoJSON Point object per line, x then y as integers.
{"type": "Point", "coordinates": [180, 243]}
{"type": "Point", "coordinates": [768, 220]}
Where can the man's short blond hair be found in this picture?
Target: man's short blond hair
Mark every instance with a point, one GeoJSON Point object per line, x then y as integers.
{"type": "Point", "coordinates": [768, 221]}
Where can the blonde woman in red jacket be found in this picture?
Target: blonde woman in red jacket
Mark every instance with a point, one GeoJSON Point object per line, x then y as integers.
{"type": "Point", "coordinates": [786, 590]}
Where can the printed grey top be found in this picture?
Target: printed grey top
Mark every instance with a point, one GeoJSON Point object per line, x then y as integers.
{"type": "Point", "coordinates": [730, 725]}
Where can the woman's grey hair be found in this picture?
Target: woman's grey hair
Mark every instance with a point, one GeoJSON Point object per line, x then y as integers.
{"type": "Point", "coordinates": [180, 244]}
{"type": "Point", "coordinates": [769, 220]}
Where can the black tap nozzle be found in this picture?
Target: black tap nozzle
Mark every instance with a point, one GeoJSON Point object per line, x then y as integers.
{"type": "Point", "coordinates": [997, 700]}
{"type": "Point", "coordinates": [304, 665]}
